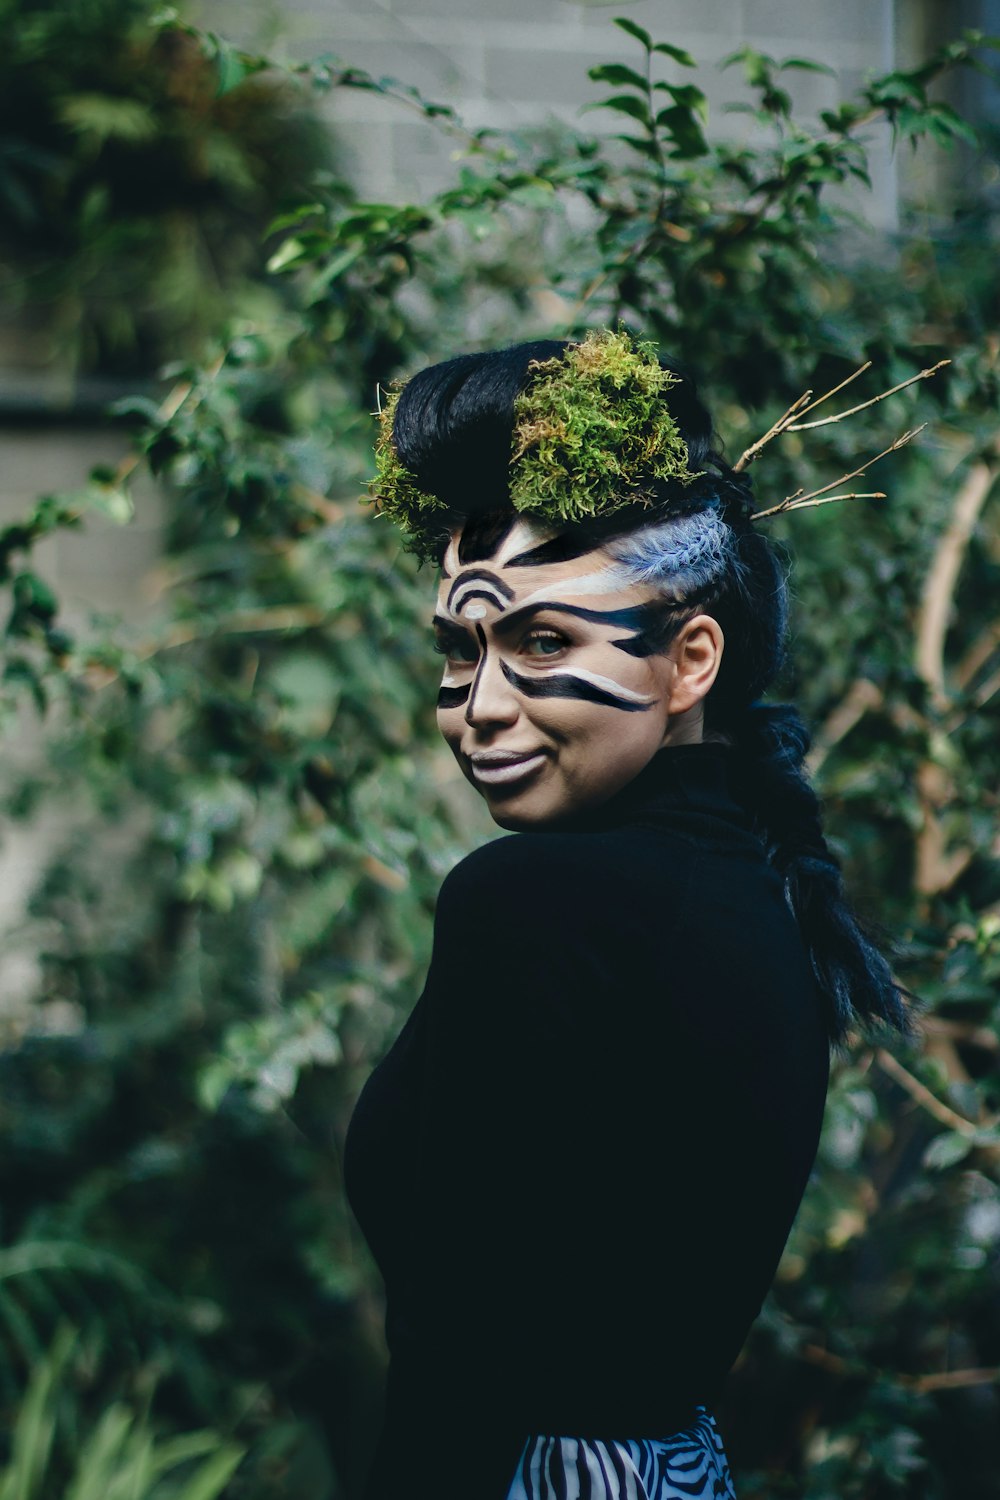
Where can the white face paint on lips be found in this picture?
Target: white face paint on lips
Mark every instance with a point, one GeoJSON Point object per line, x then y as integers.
{"type": "Point", "coordinates": [554, 695]}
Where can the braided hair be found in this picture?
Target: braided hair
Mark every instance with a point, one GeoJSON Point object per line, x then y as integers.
{"type": "Point", "coordinates": [698, 547]}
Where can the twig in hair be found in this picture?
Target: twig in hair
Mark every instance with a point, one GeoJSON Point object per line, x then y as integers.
{"type": "Point", "coordinates": [798, 408]}
{"type": "Point", "coordinates": [804, 504]}
{"type": "Point", "coordinates": [800, 501]}
{"type": "Point", "coordinates": [852, 410]}
{"type": "Point", "coordinates": [834, 391]}
{"type": "Point", "coordinates": [791, 420]}
{"type": "Point", "coordinates": [750, 453]}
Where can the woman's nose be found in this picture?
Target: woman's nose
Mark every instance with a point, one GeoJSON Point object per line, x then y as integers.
{"type": "Point", "coordinates": [492, 699]}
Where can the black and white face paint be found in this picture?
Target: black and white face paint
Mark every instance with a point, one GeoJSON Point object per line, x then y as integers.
{"type": "Point", "coordinates": [557, 690]}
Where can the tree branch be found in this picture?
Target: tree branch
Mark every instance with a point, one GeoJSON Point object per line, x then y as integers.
{"type": "Point", "coordinates": [927, 1100]}
{"type": "Point", "coordinates": [978, 655]}
{"type": "Point", "coordinates": [862, 696]}
{"type": "Point", "coordinates": [939, 586]}
{"type": "Point", "coordinates": [949, 1380]}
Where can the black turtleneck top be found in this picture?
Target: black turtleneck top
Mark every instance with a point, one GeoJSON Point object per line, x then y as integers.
{"type": "Point", "coordinates": [578, 1165]}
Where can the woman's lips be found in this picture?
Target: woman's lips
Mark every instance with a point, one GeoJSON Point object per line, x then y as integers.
{"type": "Point", "coordinates": [494, 772]}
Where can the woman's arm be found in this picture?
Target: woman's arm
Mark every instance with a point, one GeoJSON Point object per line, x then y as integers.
{"type": "Point", "coordinates": [525, 1103]}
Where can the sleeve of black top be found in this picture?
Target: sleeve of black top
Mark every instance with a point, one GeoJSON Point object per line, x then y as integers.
{"type": "Point", "coordinates": [522, 1014]}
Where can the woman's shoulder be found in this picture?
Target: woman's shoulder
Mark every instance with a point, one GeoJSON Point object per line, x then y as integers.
{"type": "Point", "coordinates": [572, 874]}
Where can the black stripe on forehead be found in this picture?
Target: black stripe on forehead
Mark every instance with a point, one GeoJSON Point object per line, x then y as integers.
{"type": "Point", "coordinates": [562, 548]}
{"type": "Point", "coordinates": [651, 622]}
{"type": "Point", "coordinates": [482, 535]}
{"type": "Point", "coordinates": [482, 575]}
{"type": "Point", "coordinates": [565, 685]}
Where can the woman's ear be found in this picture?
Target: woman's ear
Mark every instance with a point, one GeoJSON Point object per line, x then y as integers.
{"type": "Point", "coordinates": [696, 652]}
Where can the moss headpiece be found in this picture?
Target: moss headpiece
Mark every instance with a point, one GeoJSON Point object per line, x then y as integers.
{"type": "Point", "coordinates": [592, 434]}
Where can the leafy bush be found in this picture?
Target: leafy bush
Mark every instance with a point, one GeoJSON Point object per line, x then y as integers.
{"type": "Point", "coordinates": [134, 185]}
{"type": "Point", "coordinates": [238, 910]}
{"type": "Point", "coordinates": [114, 1457]}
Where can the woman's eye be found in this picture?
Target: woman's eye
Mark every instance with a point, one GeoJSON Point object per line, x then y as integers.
{"type": "Point", "coordinates": [543, 643]}
{"type": "Point", "coordinates": [457, 650]}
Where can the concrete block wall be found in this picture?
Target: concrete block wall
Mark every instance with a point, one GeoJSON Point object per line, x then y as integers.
{"type": "Point", "coordinates": [521, 62]}
{"type": "Point", "coordinates": [102, 568]}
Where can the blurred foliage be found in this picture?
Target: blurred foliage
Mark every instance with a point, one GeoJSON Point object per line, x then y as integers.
{"type": "Point", "coordinates": [252, 816]}
{"type": "Point", "coordinates": [134, 182]}
{"type": "Point", "coordinates": [118, 1458]}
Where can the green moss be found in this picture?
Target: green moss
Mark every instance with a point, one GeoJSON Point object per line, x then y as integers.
{"type": "Point", "coordinates": [395, 491]}
{"type": "Point", "coordinates": [592, 431]}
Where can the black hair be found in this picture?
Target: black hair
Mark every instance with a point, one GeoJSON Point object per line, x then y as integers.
{"type": "Point", "coordinates": [453, 430]}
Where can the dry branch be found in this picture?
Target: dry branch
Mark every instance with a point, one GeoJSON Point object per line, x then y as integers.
{"type": "Point", "coordinates": [852, 410]}
{"type": "Point", "coordinates": [244, 622]}
{"type": "Point", "coordinates": [928, 1100]}
{"type": "Point", "coordinates": [749, 454]}
{"type": "Point", "coordinates": [978, 655]}
{"type": "Point", "coordinates": [822, 496]}
{"type": "Point", "coordinates": [862, 696]}
{"type": "Point", "coordinates": [961, 1031]}
{"type": "Point", "coordinates": [937, 1380]}
{"type": "Point", "coordinates": [791, 420]}
{"type": "Point", "coordinates": [937, 867]}
{"type": "Point", "coordinates": [950, 1380]}
{"type": "Point", "coordinates": [166, 411]}
{"type": "Point", "coordinates": [939, 587]}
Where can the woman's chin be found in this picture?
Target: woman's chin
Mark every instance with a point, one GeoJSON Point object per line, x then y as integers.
{"type": "Point", "coordinates": [534, 807]}
{"type": "Point", "coordinates": [519, 810]}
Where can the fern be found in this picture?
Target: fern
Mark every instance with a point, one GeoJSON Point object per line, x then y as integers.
{"type": "Point", "coordinates": [47, 1283]}
{"type": "Point", "coordinates": [122, 1459]}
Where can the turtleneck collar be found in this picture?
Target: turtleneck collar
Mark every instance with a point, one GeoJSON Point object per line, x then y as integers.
{"type": "Point", "coordinates": [681, 779]}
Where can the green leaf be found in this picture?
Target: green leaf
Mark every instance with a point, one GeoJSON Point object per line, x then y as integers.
{"type": "Point", "coordinates": [688, 97]}
{"type": "Point", "coordinates": [644, 144]}
{"type": "Point", "coordinates": [146, 411]}
{"type": "Point", "coordinates": [683, 131]}
{"type": "Point", "coordinates": [213, 1475]}
{"type": "Point", "coordinates": [334, 268]}
{"type": "Point", "coordinates": [677, 53]}
{"type": "Point", "coordinates": [234, 66]}
{"type": "Point", "coordinates": [108, 500]}
{"type": "Point", "coordinates": [102, 1454]}
{"type": "Point", "coordinates": [625, 104]}
{"type": "Point", "coordinates": [108, 117]}
{"type": "Point", "coordinates": [947, 1149]}
{"type": "Point", "coordinates": [806, 65]}
{"type": "Point", "coordinates": [286, 255]}
{"type": "Point", "coordinates": [954, 125]}
{"type": "Point", "coordinates": [624, 24]}
{"type": "Point", "coordinates": [294, 217]}
{"type": "Point", "coordinates": [33, 595]}
{"type": "Point", "coordinates": [34, 1429]}
{"type": "Point", "coordinates": [172, 1452]}
{"type": "Point", "coordinates": [618, 75]}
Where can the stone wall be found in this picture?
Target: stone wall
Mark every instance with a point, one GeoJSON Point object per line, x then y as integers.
{"type": "Point", "coordinates": [522, 61]}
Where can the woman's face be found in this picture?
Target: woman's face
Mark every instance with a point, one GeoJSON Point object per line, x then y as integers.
{"type": "Point", "coordinates": [555, 694]}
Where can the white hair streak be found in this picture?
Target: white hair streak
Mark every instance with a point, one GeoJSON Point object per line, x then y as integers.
{"type": "Point", "coordinates": [680, 556]}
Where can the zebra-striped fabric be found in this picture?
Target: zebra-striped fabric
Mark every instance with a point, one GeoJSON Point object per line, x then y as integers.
{"type": "Point", "coordinates": [688, 1465]}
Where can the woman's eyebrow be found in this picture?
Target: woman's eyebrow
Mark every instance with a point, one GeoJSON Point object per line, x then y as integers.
{"type": "Point", "coordinates": [448, 627]}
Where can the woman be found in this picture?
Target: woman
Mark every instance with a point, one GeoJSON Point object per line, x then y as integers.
{"type": "Point", "coordinates": [578, 1165]}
